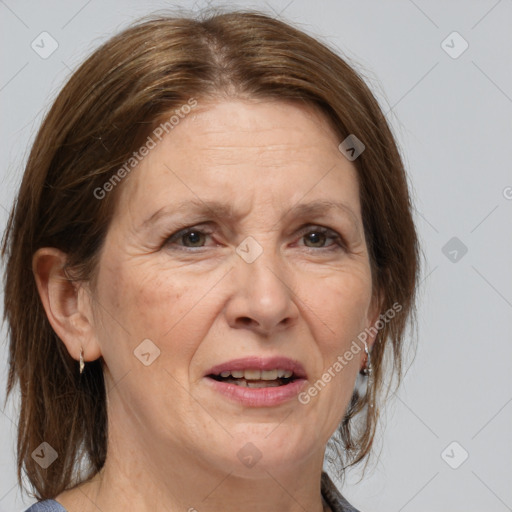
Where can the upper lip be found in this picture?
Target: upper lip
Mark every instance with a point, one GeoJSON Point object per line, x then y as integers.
{"type": "Point", "coordinates": [260, 363]}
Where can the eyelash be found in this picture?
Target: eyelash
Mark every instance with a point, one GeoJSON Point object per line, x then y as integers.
{"type": "Point", "coordinates": [339, 241]}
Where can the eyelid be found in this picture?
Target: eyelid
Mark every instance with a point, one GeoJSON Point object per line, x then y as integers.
{"type": "Point", "coordinates": [202, 228]}
{"type": "Point", "coordinates": [329, 232]}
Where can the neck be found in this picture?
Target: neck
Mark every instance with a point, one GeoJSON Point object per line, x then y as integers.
{"type": "Point", "coordinates": [141, 475]}
{"type": "Point", "coordinates": [141, 486]}
{"type": "Point", "coordinates": [194, 491]}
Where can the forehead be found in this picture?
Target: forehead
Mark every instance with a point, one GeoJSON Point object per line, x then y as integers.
{"type": "Point", "coordinates": [244, 151]}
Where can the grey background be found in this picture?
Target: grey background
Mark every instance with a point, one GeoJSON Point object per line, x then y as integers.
{"type": "Point", "coordinates": [452, 117]}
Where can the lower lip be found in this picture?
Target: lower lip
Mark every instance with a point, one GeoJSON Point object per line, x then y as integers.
{"type": "Point", "coordinates": [258, 397]}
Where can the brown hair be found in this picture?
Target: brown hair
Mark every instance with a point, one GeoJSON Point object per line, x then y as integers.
{"type": "Point", "coordinates": [105, 111]}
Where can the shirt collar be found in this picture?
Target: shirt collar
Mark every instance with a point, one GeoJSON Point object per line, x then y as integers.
{"type": "Point", "coordinates": [333, 497]}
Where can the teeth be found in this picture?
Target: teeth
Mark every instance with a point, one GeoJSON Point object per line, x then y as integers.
{"type": "Point", "coordinates": [257, 374]}
{"type": "Point", "coordinates": [252, 374]}
{"type": "Point", "coordinates": [259, 384]}
{"type": "Point", "coordinates": [269, 374]}
{"type": "Point", "coordinates": [262, 384]}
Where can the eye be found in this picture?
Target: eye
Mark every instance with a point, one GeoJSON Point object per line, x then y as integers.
{"type": "Point", "coordinates": [190, 237]}
{"type": "Point", "coordinates": [317, 236]}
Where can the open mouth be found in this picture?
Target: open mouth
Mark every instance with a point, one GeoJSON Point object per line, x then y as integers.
{"type": "Point", "coordinates": [256, 378]}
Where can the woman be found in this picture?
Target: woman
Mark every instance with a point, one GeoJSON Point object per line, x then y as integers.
{"type": "Point", "coordinates": [214, 240]}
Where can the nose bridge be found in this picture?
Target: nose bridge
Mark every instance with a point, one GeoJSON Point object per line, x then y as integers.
{"type": "Point", "coordinates": [260, 263]}
{"type": "Point", "coordinates": [262, 292]}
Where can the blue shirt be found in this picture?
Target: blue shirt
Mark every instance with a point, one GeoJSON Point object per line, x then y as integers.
{"type": "Point", "coordinates": [46, 506]}
{"type": "Point", "coordinates": [329, 491]}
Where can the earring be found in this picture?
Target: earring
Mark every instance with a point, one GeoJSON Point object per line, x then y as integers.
{"type": "Point", "coordinates": [82, 364]}
{"type": "Point", "coordinates": [367, 370]}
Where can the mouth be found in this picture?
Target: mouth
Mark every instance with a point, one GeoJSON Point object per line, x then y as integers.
{"type": "Point", "coordinates": [258, 382]}
{"type": "Point", "coordinates": [256, 378]}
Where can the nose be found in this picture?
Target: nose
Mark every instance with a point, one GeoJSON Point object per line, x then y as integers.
{"type": "Point", "coordinates": [263, 299]}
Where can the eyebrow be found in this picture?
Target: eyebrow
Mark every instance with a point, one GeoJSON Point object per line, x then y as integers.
{"type": "Point", "coordinates": [219, 210]}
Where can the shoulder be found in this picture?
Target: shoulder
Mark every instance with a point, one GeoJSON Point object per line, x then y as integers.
{"type": "Point", "coordinates": [46, 506]}
{"type": "Point", "coordinates": [333, 497]}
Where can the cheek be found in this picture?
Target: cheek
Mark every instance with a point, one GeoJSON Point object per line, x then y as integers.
{"type": "Point", "coordinates": [342, 302]}
{"type": "Point", "coordinates": [172, 308]}
{"type": "Point", "coordinates": [145, 298]}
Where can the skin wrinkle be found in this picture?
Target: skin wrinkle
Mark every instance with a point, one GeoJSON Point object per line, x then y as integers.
{"type": "Point", "coordinates": [305, 303]}
{"type": "Point", "coordinates": [219, 210]}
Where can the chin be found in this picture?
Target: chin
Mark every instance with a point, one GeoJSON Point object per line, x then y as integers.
{"type": "Point", "coordinates": [268, 448]}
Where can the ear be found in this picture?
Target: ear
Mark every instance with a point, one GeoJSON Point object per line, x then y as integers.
{"type": "Point", "coordinates": [67, 304]}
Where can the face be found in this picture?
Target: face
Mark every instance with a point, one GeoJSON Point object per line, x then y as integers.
{"type": "Point", "coordinates": [225, 254]}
